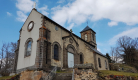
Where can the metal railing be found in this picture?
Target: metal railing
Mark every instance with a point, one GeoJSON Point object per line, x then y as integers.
{"type": "Point", "coordinates": [51, 74]}
{"type": "Point", "coordinates": [73, 75]}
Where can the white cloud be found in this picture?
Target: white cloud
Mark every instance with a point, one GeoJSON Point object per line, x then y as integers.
{"type": "Point", "coordinates": [9, 14]}
{"type": "Point", "coordinates": [80, 10]}
{"type": "Point", "coordinates": [71, 26]}
{"type": "Point", "coordinates": [25, 5]}
{"type": "Point", "coordinates": [117, 59]}
{"type": "Point", "coordinates": [112, 23]}
{"type": "Point", "coordinates": [131, 33]}
{"type": "Point", "coordinates": [99, 44]}
{"type": "Point", "coordinates": [98, 49]}
{"type": "Point", "coordinates": [61, 1]}
{"type": "Point", "coordinates": [36, 1]}
{"type": "Point", "coordinates": [56, 8]}
{"type": "Point", "coordinates": [21, 16]}
{"type": "Point", "coordinates": [43, 10]}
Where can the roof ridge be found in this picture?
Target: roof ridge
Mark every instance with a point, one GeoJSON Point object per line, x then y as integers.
{"type": "Point", "coordinates": [87, 28]}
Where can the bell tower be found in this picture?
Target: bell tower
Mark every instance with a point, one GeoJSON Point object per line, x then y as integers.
{"type": "Point", "coordinates": [89, 35]}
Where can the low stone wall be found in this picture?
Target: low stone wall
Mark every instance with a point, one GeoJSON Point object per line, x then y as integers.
{"type": "Point", "coordinates": [84, 66]}
{"type": "Point", "coordinates": [84, 74]}
{"type": "Point", "coordinates": [32, 75]}
{"type": "Point", "coordinates": [118, 77]}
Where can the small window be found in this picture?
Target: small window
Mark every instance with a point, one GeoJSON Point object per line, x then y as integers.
{"type": "Point", "coordinates": [81, 59]}
{"type": "Point", "coordinates": [28, 48]}
{"type": "Point", "coordinates": [93, 36]}
{"type": "Point", "coordinates": [56, 52]}
{"type": "Point", "coordinates": [105, 64]}
{"type": "Point", "coordinates": [56, 28]}
{"type": "Point", "coordinates": [99, 61]}
{"type": "Point", "coordinates": [85, 37]}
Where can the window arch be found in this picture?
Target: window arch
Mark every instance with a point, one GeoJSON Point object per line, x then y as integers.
{"type": "Point", "coordinates": [56, 51]}
{"type": "Point", "coordinates": [81, 58]}
{"type": "Point", "coordinates": [86, 37]}
{"type": "Point", "coordinates": [105, 64]}
{"type": "Point", "coordinates": [99, 61]}
{"type": "Point", "coordinates": [71, 48]}
{"type": "Point", "coordinates": [28, 47]}
{"type": "Point", "coordinates": [93, 36]}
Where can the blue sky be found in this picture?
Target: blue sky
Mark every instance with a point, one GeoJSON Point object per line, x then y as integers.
{"type": "Point", "coordinates": [110, 19]}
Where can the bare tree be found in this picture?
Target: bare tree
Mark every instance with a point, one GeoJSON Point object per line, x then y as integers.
{"type": "Point", "coordinates": [112, 52]}
{"type": "Point", "coordinates": [127, 48]}
{"type": "Point", "coordinates": [2, 57]}
{"type": "Point", "coordinates": [7, 57]}
{"type": "Point", "coordinates": [115, 55]}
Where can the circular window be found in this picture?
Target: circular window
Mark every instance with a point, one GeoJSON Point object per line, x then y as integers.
{"type": "Point", "coordinates": [30, 26]}
{"type": "Point", "coordinates": [56, 28]}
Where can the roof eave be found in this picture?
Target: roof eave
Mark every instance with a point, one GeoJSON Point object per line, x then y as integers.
{"type": "Point", "coordinates": [87, 30]}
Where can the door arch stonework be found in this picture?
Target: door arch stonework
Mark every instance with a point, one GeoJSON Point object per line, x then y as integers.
{"type": "Point", "coordinates": [70, 48]}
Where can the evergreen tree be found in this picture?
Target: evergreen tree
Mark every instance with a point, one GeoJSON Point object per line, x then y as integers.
{"type": "Point", "coordinates": [109, 58]}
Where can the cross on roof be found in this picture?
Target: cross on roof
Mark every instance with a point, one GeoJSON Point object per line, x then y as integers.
{"type": "Point", "coordinates": [71, 30]}
{"type": "Point", "coordinates": [34, 4]}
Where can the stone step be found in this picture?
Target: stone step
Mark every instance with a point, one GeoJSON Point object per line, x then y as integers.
{"type": "Point", "coordinates": [67, 69]}
{"type": "Point", "coordinates": [63, 76]}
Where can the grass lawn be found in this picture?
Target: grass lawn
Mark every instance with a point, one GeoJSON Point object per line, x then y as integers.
{"type": "Point", "coordinates": [107, 72]}
{"type": "Point", "coordinates": [6, 77]}
{"type": "Point", "coordinates": [126, 67]}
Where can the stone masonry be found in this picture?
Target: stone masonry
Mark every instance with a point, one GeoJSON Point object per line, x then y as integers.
{"type": "Point", "coordinates": [85, 74]}
{"type": "Point", "coordinates": [32, 75]}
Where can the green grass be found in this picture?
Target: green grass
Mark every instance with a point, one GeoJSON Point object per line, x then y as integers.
{"type": "Point", "coordinates": [107, 72]}
{"type": "Point", "coordinates": [124, 65]}
{"type": "Point", "coordinates": [6, 77]}
{"type": "Point", "coordinates": [126, 68]}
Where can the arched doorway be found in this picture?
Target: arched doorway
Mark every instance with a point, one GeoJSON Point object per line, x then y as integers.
{"type": "Point", "coordinates": [70, 58]}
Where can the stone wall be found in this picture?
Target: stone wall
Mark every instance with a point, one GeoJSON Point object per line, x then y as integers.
{"type": "Point", "coordinates": [84, 74]}
{"type": "Point", "coordinates": [56, 36]}
{"type": "Point", "coordinates": [32, 75]}
{"type": "Point", "coordinates": [89, 37]}
{"type": "Point", "coordinates": [103, 65]}
{"type": "Point", "coordinates": [81, 48]}
{"type": "Point", "coordinates": [118, 77]}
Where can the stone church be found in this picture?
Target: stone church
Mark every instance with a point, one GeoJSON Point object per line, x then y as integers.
{"type": "Point", "coordinates": [43, 43]}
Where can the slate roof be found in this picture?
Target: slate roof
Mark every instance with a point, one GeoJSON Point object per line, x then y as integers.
{"type": "Point", "coordinates": [96, 51]}
{"type": "Point", "coordinates": [87, 28]}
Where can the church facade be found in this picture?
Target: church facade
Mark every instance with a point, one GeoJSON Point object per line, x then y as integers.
{"type": "Point", "coordinates": [44, 43]}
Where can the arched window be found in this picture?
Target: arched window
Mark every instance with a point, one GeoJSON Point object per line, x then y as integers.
{"type": "Point", "coordinates": [85, 37]}
{"type": "Point", "coordinates": [28, 48]}
{"type": "Point", "coordinates": [105, 64]}
{"type": "Point", "coordinates": [93, 36]}
{"type": "Point", "coordinates": [99, 61]}
{"type": "Point", "coordinates": [56, 52]}
{"type": "Point", "coordinates": [81, 59]}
